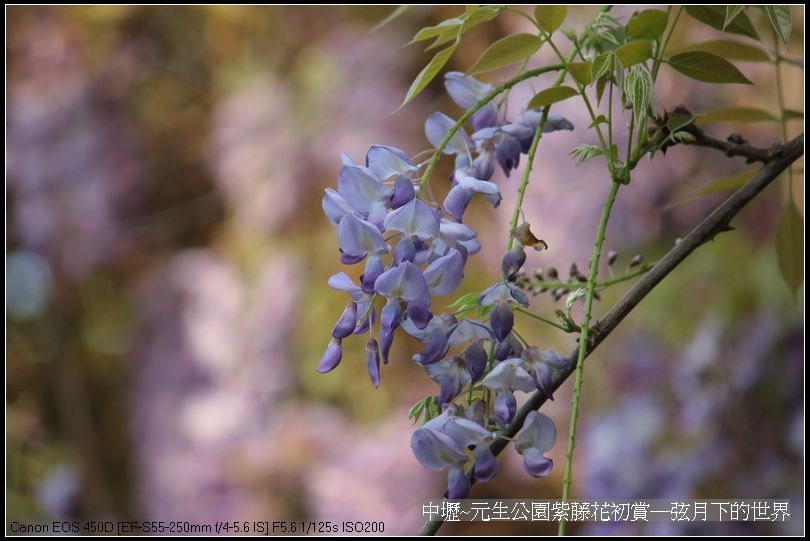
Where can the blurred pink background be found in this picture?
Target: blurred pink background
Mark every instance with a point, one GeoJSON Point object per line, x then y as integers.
{"type": "Point", "coordinates": [167, 260]}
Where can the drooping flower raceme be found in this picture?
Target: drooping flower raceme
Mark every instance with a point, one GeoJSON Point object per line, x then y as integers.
{"type": "Point", "coordinates": [411, 250]}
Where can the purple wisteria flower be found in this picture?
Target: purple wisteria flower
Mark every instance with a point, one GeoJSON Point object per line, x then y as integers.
{"type": "Point", "coordinates": [412, 249]}
{"type": "Point", "coordinates": [443, 442]}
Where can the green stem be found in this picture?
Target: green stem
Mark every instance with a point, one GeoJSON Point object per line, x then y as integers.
{"type": "Point", "coordinates": [629, 276]}
{"type": "Point", "coordinates": [583, 342]}
{"type": "Point", "coordinates": [437, 154]}
{"type": "Point", "coordinates": [585, 100]}
{"type": "Point", "coordinates": [541, 318]}
{"type": "Point", "coordinates": [538, 134]}
{"type": "Point", "coordinates": [599, 285]}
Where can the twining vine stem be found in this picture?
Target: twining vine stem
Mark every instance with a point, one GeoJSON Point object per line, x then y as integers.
{"type": "Point", "coordinates": [583, 340]}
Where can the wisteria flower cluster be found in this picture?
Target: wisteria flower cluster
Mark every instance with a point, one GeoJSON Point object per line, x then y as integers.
{"type": "Point", "coordinates": [413, 249]}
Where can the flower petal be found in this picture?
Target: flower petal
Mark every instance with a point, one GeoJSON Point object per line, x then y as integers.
{"type": "Point", "coordinates": [391, 315]}
{"type": "Point", "coordinates": [509, 374]}
{"type": "Point", "coordinates": [505, 406]}
{"type": "Point", "coordinates": [469, 331]}
{"type": "Point", "coordinates": [348, 320]}
{"type": "Point", "coordinates": [475, 357]}
{"type": "Point", "coordinates": [403, 282]}
{"type": "Point", "coordinates": [385, 162]}
{"type": "Point", "coordinates": [538, 432]}
{"type": "Point", "coordinates": [476, 185]}
{"type": "Point", "coordinates": [502, 292]}
{"type": "Point", "coordinates": [415, 218]}
{"type": "Point", "coordinates": [486, 464]}
{"type": "Point", "coordinates": [404, 251]}
{"type": "Point", "coordinates": [556, 123]}
{"type": "Point", "coordinates": [403, 192]}
{"type": "Point", "coordinates": [373, 362]}
{"type": "Point", "coordinates": [435, 348]}
{"type": "Point", "coordinates": [436, 127]}
{"type": "Point", "coordinates": [458, 486]}
{"type": "Point", "coordinates": [456, 201]}
{"type": "Point", "coordinates": [434, 450]}
{"type": "Point", "coordinates": [342, 282]}
{"type": "Point", "coordinates": [335, 206]}
{"type": "Point", "coordinates": [466, 432]}
{"type": "Point", "coordinates": [386, 340]}
{"type": "Point", "coordinates": [508, 154]}
{"type": "Point", "coordinates": [360, 188]}
{"type": "Point", "coordinates": [535, 463]}
{"type": "Point", "coordinates": [464, 90]}
{"type": "Point", "coordinates": [502, 320]}
{"type": "Point", "coordinates": [512, 261]}
{"type": "Point", "coordinates": [456, 231]}
{"type": "Point", "coordinates": [483, 166]}
{"type": "Point", "coordinates": [358, 237]}
{"type": "Point", "coordinates": [445, 273]}
{"type": "Point", "coordinates": [373, 269]}
{"type": "Point", "coordinates": [331, 358]}
{"type": "Point", "coordinates": [419, 314]}
{"type": "Point", "coordinates": [484, 117]}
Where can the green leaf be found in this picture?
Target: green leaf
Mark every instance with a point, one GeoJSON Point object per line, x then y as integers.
{"type": "Point", "coordinates": [416, 411]}
{"type": "Point", "coordinates": [648, 24]}
{"type": "Point", "coordinates": [506, 51]}
{"type": "Point", "coordinates": [428, 73]}
{"type": "Point", "coordinates": [724, 184]}
{"type": "Point", "coordinates": [729, 49]}
{"type": "Point", "coordinates": [585, 152]}
{"type": "Point", "coordinates": [790, 246]}
{"type": "Point", "coordinates": [638, 87]}
{"type": "Point", "coordinates": [634, 52]}
{"type": "Point", "coordinates": [551, 95]}
{"type": "Point", "coordinates": [736, 114]}
{"type": "Point", "coordinates": [731, 14]}
{"type": "Point", "coordinates": [597, 121]}
{"type": "Point", "coordinates": [715, 16]}
{"type": "Point", "coordinates": [480, 15]}
{"type": "Point", "coordinates": [401, 10]}
{"type": "Point", "coordinates": [581, 72]}
{"type": "Point", "coordinates": [601, 65]}
{"type": "Point", "coordinates": [675, 123]}
{"type": "Point", "coordinates": [465, 300]}
{"type": "Point", "coordinates": [443, 38]}
{"type": "Point", "coordinates": [600, 89]}
{"type": "Point", "coordinates": [437, 29]}
{"type": "Point", "coordinates": [781, 20]}
{"type": "Point", "coordinates": [707, 67]}
{"type": "Point", "coordinates": [550, 18]}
